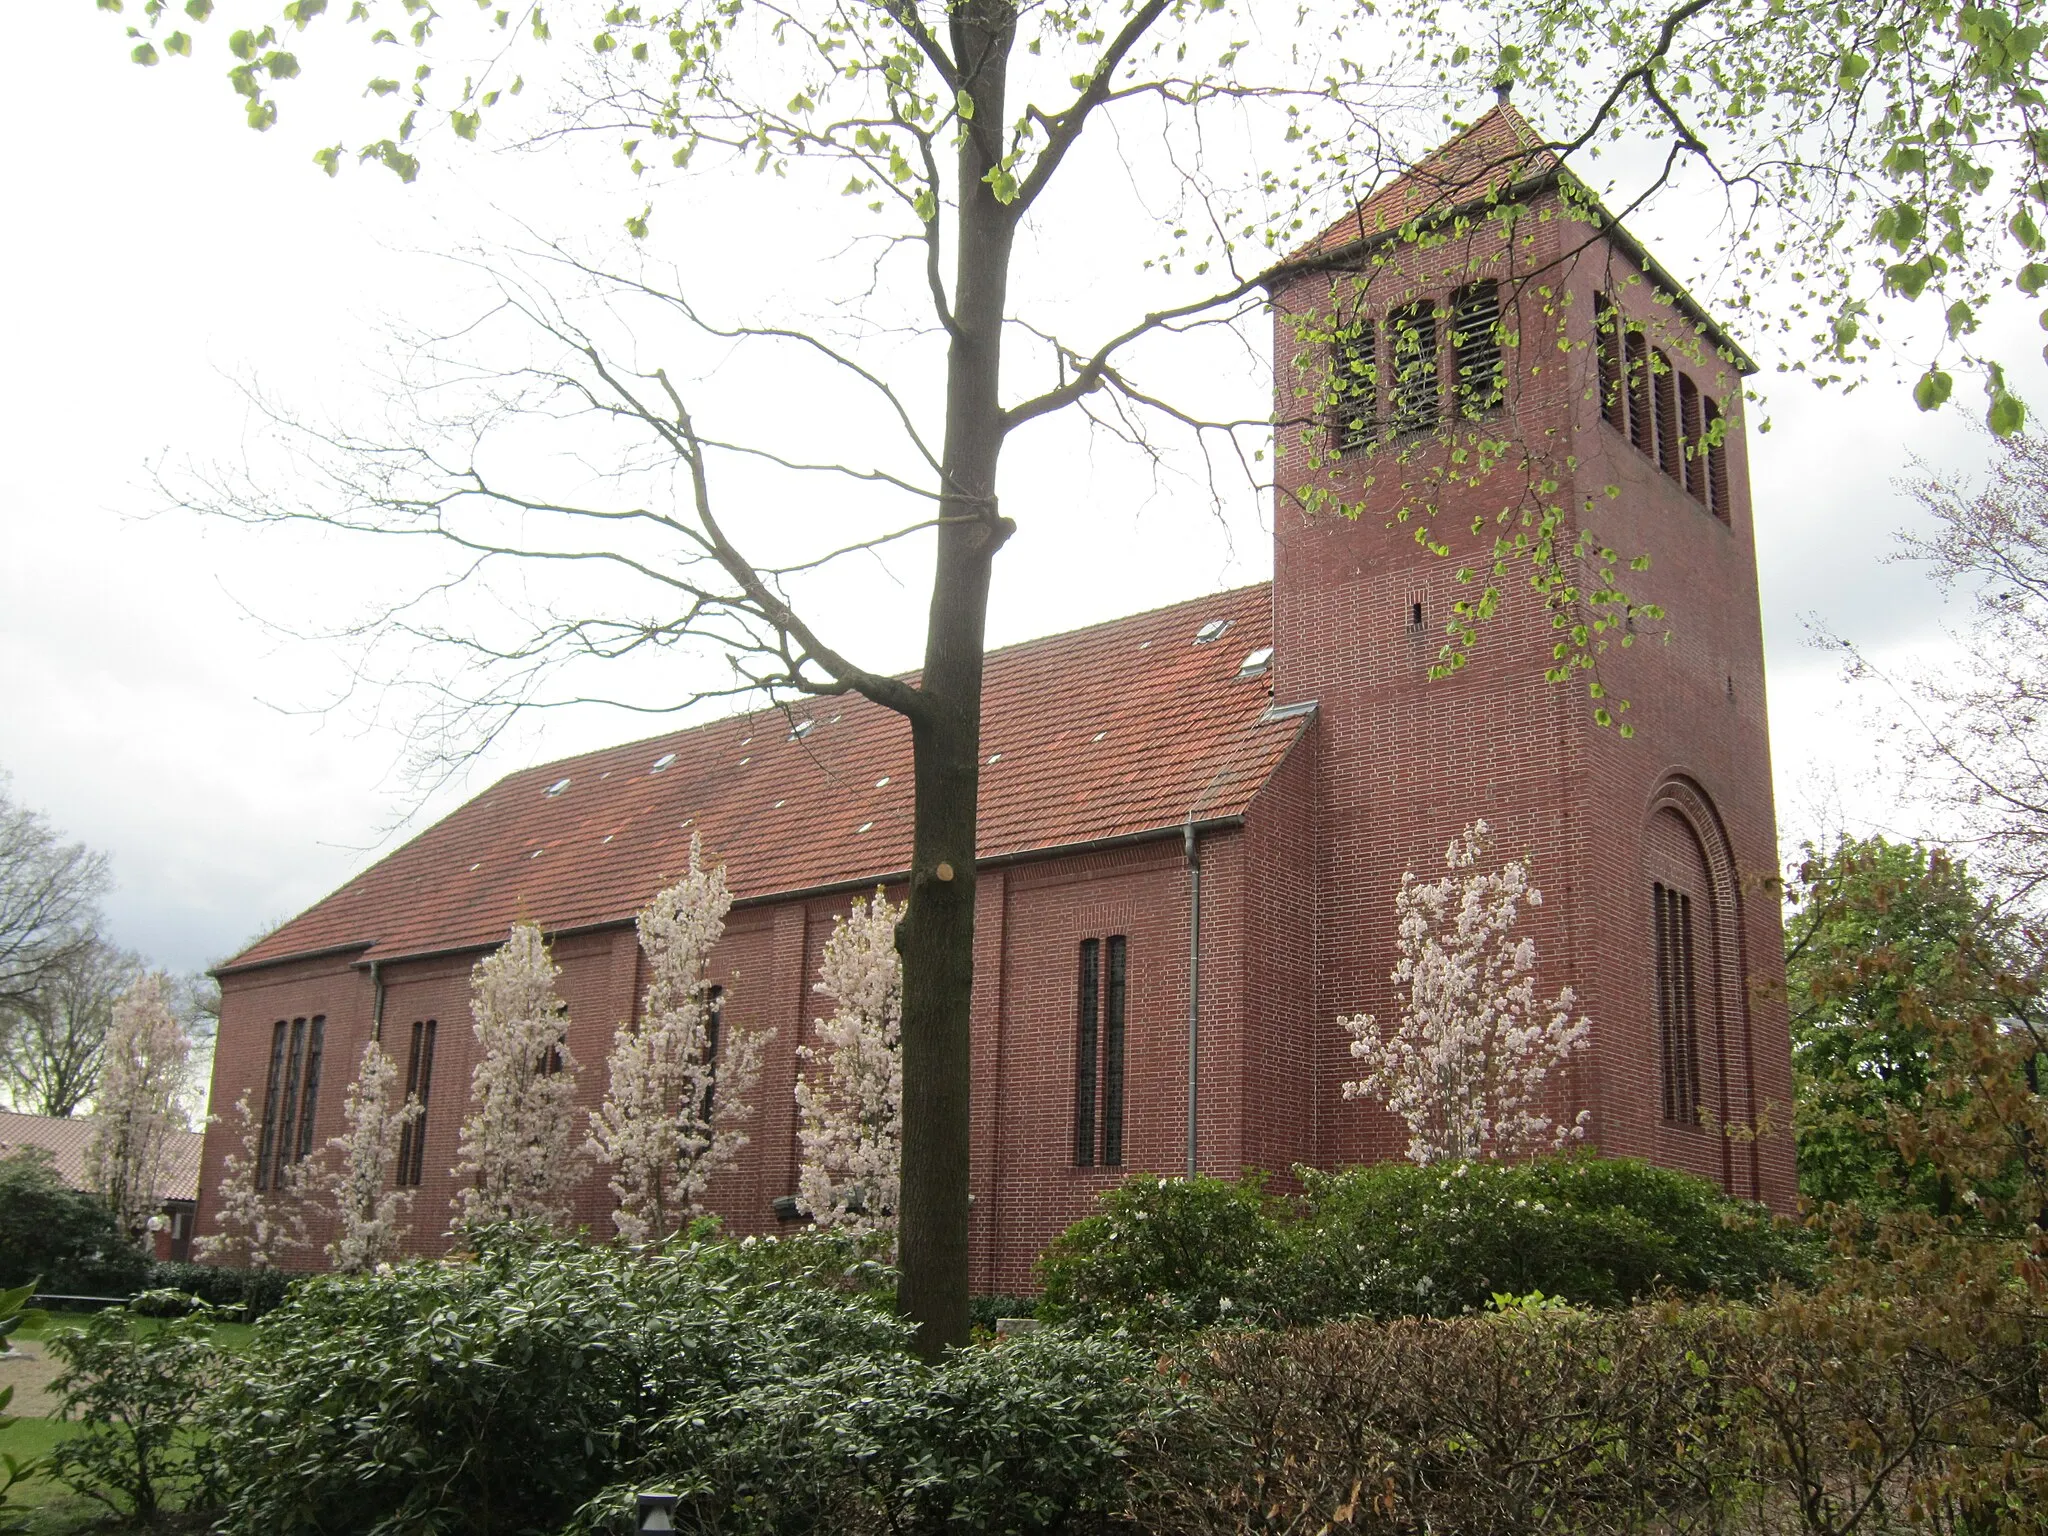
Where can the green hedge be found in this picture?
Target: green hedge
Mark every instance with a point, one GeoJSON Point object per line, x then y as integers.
{"type": "Point", "coordinates": [243, 1294]}
{"type": "Point", "coordinates": [68, 1243]}
{"type": "Point", "coordinates": [1394, 1240]}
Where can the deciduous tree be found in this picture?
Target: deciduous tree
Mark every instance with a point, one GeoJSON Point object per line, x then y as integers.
{"type": "Point", "coordinates": [137, 1103]}
{"type": "Point", "coordinates": [1467, 1065]}
{"type": "Point", "coordinates": [49, 900]}
{"type": "Point", "coordinates": [850, 1095]}
{"type": "Point", "coordinates": [681, 1078]}
{"type": "Point", "coordinates": [369, 1207]}
{"type": "Point", "coordinates": [50, 1060]}
{"type": "Point", "coordinates": [520, 1148]}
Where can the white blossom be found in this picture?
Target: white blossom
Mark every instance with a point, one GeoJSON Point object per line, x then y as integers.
{"type": "Point", "coordinates": [850, 1097]}
{"type": "Point", "coordinates": [255, 1226]}
{"type": "Point", "coordinates": [677, 1092]}
{"type": "Point", "coordinates": [1465, 1068]}
{"type": "Point", "coordinates": [136, 1107]}
{"type": "Point", "coordinates": [368, 1206]}
{"type": "Point", "coordinates": [520, 1154]}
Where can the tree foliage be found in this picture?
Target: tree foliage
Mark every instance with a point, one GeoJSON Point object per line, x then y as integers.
{"type": "Point", "coordinates": [256, 1226]}
{"type": "Point", "coordinates": [49, 902]}
{"type": "Point", "coordinates": [849, 1098]}
{"type": "Point", "coordinates": [681, 1078]}
{"type": "Point", "coordinates": [520, 1149]}
{"type": "Point", "coordinates": [369, 1207]}
{"type": "Point", "coordinates": [64, 1240]}
{"type": "Point", "coordinates": [137, 1105]}
{"type": "Point", "coordinates": [1466, 1066]}
{"type": "Point", "coordinates": [50, 1059]}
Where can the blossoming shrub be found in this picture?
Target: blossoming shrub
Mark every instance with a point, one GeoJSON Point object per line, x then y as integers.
{"type": "Point", "coordinates": [1163, 1255]}
{"type": "Point", "coordinates": [503, 1394]}
{"type": "Point", "coordinates": [1393, 1239]}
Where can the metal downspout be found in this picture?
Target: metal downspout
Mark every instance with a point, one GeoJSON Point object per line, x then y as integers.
{"type": "Point", "coordinates": [1194, 987]}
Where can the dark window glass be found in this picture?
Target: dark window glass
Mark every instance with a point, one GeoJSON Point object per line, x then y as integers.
{"type": "Point", "coordinates": [1677, 1005]}
{"type": "Point", "coordinates": [309, 1094]}
{"type": "Point", "coordinates": [1113, 1057]}
{"type": "Point", "coordinates": [1475, 349]}
{"type": "Point", "coordinates": [1356, 386]}
{"type": "Point", "coordinates": [1417, 386]}
{"type": "Point", "coordinates": [714, 1008]}
{"type": "Point", "coordinates": [1085, 1045]}
{"type": "Point", "coordinates": [419, 1084]}
{"type": "Point", "coordinates": [1642, 418]}
{"type": "Point", "coordinates": [288, 1104]}
{"type": "Point", "coordinates": [1607, 341]}
{"type": "Point", "coordinates": [267, 1146]}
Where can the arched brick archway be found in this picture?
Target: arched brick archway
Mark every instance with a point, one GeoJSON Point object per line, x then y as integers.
{"type": "Point", "coordinates": [1690, 876]}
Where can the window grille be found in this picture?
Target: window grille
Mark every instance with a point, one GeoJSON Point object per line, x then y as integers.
{"type": "Point", "coordinates": [1356, 385]}
{"type": "Point", "coordinates": [1642, 420]}
{"type": "Point", "coordinates": [1085, 1048]}
{"type": "Point", "coordinates": [1475, 348]}
{"type": "Point", "coordinates": [419, 1087]}
{"type": "Point", "coordinates": [1717, 461]}
{"type": "Point", "coordinates": [1689, 424]}
{"type": "Point", "coordinates": [1608, 346]}
{"type": "Point", "coordinates": [1677, 1005]}
{"type": "Point", "coordinates": [1417, 388]}
{"type": "Point", "coordinates": [1113, 1056]}
{"type": "Point", "coordinates": [1670, 450]}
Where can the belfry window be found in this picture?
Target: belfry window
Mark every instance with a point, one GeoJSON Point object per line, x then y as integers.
{"type": "Point", "coordinates": [1475, 349]}
{"type": "Point", "coordinates": [1355, 365]}
{"type": "Point", "coordinates": [1417, 386]}
{"type": "Point", "coordinates": [1677, 1005]}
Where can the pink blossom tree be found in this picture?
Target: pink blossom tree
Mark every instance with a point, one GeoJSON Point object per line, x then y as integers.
{"type": "Point", "coordinates": [1466, 1067]}
{"type": "Point", "coordinates": [368, 1206]}
{"type": "Point", "coordinates": [136, 1108]}
{"type": "Point", "coordinates": [256, 1226]}
{"type": "Point", "coordinates": [519, 1150]}
{"type": "Point", "coordinates": [850, 1096]}
{"type": "Point", "coordinates": [681, 1080]}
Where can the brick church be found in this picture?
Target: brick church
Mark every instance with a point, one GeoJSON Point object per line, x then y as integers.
{"type": "Point", "coordinates": [1194, 821]}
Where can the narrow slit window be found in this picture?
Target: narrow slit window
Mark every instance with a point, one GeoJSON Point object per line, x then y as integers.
{"type": "Point", "coordinates": [1642, 419]}
{"type": "Point", "coordinates": [1670, 451]}
{"type": "Point", "coordinates": [1415, 615]}
{"type": "Point", "coordinates": [1677, 1005]}
{"type": "Point", "coordinates": [1417, 387]}
{"type": "Point", "coordinates": [266, 1147]}
{"type": "Point", "coordinates": [1475, 348]}
{"type": "Point", "coordinates": [309, 1092]}
{"type": "Point", "coordinates": [1085, 1046]}
{"type": "Point", "coordinates": [1356, 386]}
{"type": "Point", "coordinates": [419, 1087]}
{"type": "Point", "coordinates": [1689, 424]}
{"type": "Point", "coordinates": [288, 1103]}
{"type": "Point", "coordinates": [1717, 458]}
{"type": "Point", "coordinates": [714, 1018]}
{"type": "Point", "coordinates": [1113, 1056]}
{"type": "Point", "coordinates": [1607, 343]}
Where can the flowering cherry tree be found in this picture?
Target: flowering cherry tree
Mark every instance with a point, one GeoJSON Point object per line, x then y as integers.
{"type": "Point", "coordinates": [520, 1152]}
{"type": "Point", "coordinates": [680, 1084]}
{"type": "Point", "coordinates": [253, 1225]}
{"type": "Point", "coordinates": [850, 1108]}
{"type": "Point", "coordinates": [368, 1210]}
{"type": "Point", "coordinates": [1465, 1068]}
{"type": "Point", "coordinates": [136, 1107]}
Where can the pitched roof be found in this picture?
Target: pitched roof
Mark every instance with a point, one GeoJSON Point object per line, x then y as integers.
{"type": "Point", "coordinates": [1118, 729]}
{"type": "Point", "coordinates": [66, 1141]}
{"type": "Point", "coordinates": [1498, 151]}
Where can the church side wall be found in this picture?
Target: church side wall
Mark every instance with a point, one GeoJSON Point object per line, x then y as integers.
{"type": "Point", "coordinates": [1286, 1092]}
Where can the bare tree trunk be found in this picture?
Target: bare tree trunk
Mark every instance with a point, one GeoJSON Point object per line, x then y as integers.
{"type": "Point", "coordinates": [936, 937]}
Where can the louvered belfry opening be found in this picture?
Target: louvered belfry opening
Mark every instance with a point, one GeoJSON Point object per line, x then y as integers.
{"type": "Point", "coordinates": [1417, 386]}
{"type": "Point", "coordinates": [1475, 349]}
{"type": "Point", "coordinates": [1356, 385]}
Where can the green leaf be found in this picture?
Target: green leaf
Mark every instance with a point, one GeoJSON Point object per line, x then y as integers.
{"type": "Point", "coordinates": [382, 87]}
{"type": "Point", "coordinates": [1907, 278]}
{"type": "Point", "coordinates": [179, 43]}
{"type": "Point", "coordinates": [1002, 183]}
{"type": "Point", "coordinates": [262, 114]}
{"type": "Point", "coordinates": [329, 159]}
{"type": "Point", "coordinates": [199, 10]}
{"type": "Point", "coordinates": [143, 53]}
{"type": "Point", "coordinates": [2031, 277]}
{"type": "Point", "coordinates": [282, 66]}
{"type": "Point", "coordinates": [1899, 226]}
{"type": "Point", "coordinates": [1962, 319]}
{"type": "Point", "coordinates": [2007, 414]}
{"type": "Point", "coordinates": [965, 104]}
{"type": "Point", "coordinates": [464, 124]}
{"type": "Point", "coordinates": [1933, 390]}
{"type": "Point", "coordinates": [2025, 231]}
{"type": "Point", "coordinates": [388, 154]}
{"type": "Point", "coordinates": [242, 44]}
{"type": "Point", "coordinates": [299, 12]}
{"type": "Point", "coordinates": [636, 224]}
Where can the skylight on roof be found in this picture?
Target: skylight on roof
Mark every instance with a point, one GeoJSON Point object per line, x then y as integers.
{"type": "Point", "coordinates": [882, 782]}
{"type": "Point", "coordinates": [555, 788]}
{"type": "Point", "coordinates": [1257, 663]}
{"type": "Point", "coordinates": [1212, 631]}
{"type": "Point", "coordinates": [802, 729]}
{"type": "Point", "coordinates": [662, 762]}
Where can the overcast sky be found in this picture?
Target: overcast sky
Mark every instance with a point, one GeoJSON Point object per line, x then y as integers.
{"type": "Point", "coordinates": [159, 256]}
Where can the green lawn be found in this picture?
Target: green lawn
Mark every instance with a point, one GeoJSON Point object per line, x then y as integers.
{"type": "Point", "coordinates": [232, 1337]}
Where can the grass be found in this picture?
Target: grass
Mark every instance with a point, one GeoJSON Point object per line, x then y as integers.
{"type": "Point", "coordinates": [232, 1337]}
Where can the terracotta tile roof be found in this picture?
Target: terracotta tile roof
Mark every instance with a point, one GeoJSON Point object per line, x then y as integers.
{"type": "Point", "coordinates": [1121, 728]}
{"type": "Point", "coordinates": [66, 1141]}
{"type": "Point", "coordinates": [1496, 152]}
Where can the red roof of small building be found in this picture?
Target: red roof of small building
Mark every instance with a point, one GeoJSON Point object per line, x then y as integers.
{"type": "Point", "coordinates": [1118, 729]}
{"type": "Point", "coordinates": [67, 1140]}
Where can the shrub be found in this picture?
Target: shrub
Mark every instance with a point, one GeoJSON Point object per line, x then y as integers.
{"type": "Point", "coordinates": [244, 1294]}
{"type": "Point", "coordinates": [1394, 1239]}
{"type": "Point", "coordinates": [13, 1469]}
{"type": "Point", "coordinates": [1025, 1437]}
{"type": "Point", "coordinates": [67, 1240]}
{"type": "Point", "coordinates": [502, 1394]}
{"type": "Point", "coordinates": [137, 1390]}
{"type": "Point", "coordinates": [1165, 1254]}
